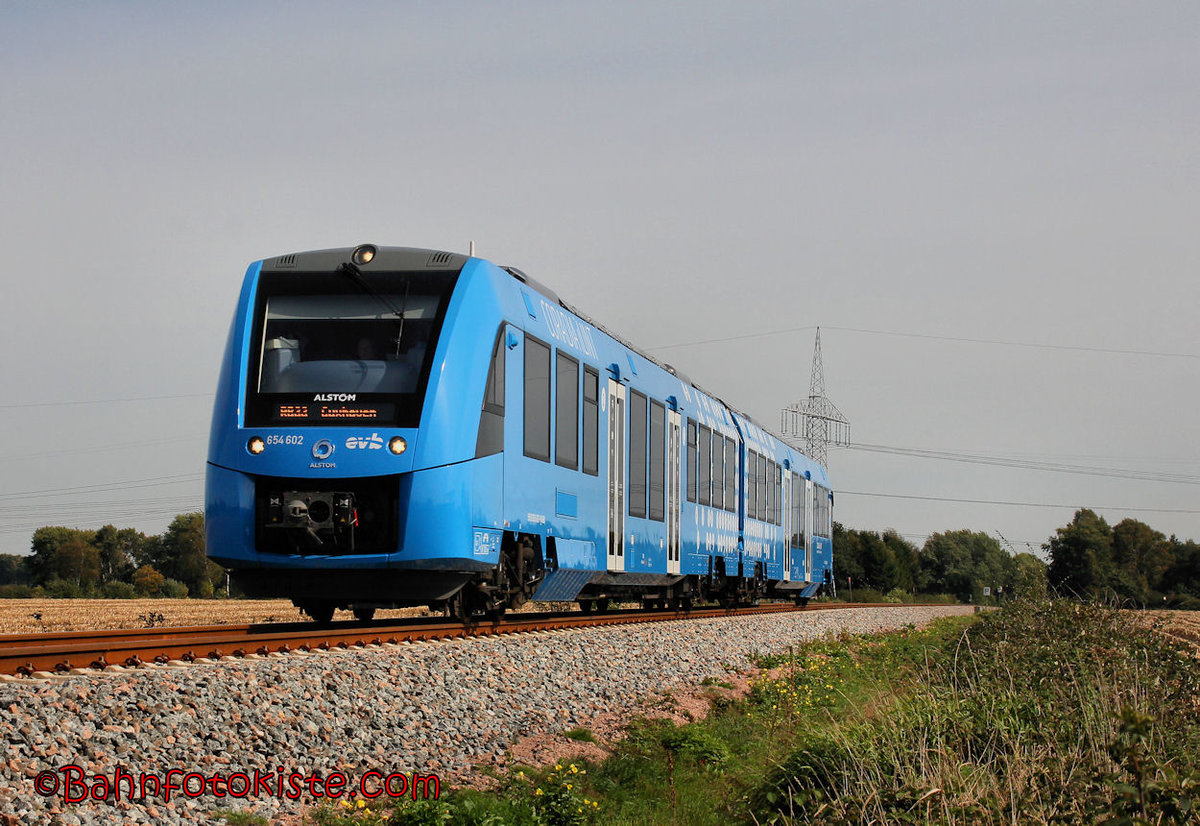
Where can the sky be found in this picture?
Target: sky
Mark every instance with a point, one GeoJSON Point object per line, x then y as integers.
{"type": "Point", "coordinates": [988, 208]}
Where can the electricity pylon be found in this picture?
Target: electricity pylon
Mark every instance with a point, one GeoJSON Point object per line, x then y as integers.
{"type": "Point", "coordinates": [813, 423]}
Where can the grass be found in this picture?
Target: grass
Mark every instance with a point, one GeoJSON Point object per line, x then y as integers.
{"type": "Point", "coordinates": [1052, 713]}
{"type": "Point", "coordinates": [1035, 714]}
{"type": "Point", "coordinates": [582, 735]}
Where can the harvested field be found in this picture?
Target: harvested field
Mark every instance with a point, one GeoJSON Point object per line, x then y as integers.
{"type": "Point", "coordinates": [29, 616]}
{"type": "Point", "coordinates": [1182, 625]}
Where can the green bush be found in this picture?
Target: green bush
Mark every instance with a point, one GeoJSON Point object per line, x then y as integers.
{"type": "Point", "coordinates": [174, 589]}
{"type": "Point", "coordinates": [15, 591]}
{"type": "Point", "coordinates": [118, 590]}
{"type": "Point", "coordinates": [63, 589]}
{"type": "Point", "coordinates": [698, 743]}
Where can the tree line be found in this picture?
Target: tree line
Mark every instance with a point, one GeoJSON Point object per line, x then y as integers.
{"type": "Point", "coordinates": [969, 566]}
{"type": "Point", "coordinates": [1129, 563]}
{"type": "Point", "coordinates": [114, 563]}
{"type": "Point", "coordinates": [1126, 564]}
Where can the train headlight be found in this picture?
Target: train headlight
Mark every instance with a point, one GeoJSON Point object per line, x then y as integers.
{"type": "Point", "coordinates": [397, 445]}
{"type": "Point", "coordinates": [364, 254]}
{"type": "Point", "coordinates": [256, 445]}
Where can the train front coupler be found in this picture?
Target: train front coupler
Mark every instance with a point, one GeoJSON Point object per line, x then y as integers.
{"type": "Point", "coordinates": [314, 520]}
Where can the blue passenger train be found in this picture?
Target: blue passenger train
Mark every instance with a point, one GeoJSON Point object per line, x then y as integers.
{"type": "Point", "coordinates": [399, 426]}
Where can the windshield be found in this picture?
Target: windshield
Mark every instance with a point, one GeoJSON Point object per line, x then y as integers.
{"type": "Point", "coordinates": [332, 349]}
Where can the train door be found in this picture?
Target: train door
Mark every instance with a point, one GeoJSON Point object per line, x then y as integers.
{"type": "Point", "coordinates": [809, 522]}
{"type": "Point", "coordinates": [786, 510]}
{"type": "Point", "coordinates": [674, 479]}
{"type": "Point", "coordinates": [616, 476]}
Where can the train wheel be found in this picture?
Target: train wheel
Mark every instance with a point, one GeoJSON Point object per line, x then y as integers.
{"type": "Point", "coordinates": [602, 605]}
{"type": "Point", "coordinates": [587, 606]}
{"type": "Point", "coordinates": [364, 613]}
{"type": "Point", "coordinates": [456, 607]}
{"type": "Point", "coordinates": [321, 612]}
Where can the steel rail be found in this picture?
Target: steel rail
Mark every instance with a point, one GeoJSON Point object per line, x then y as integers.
{"type": "Point", "coordinates": [62, 652]}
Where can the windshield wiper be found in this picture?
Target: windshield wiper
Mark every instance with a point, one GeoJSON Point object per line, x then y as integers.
{"type": "Point", "coordinates": [352, 272]}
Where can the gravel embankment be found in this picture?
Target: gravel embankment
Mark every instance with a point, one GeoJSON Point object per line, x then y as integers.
{"type": "Point", "coordinates": [430, 708]}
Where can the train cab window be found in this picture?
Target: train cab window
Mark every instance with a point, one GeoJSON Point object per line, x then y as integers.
{"type": "Point", "coordinates": [798, 500]}
{"type": "Point", "coordinates": [490, 440]}
{"type": "Point", "coordinates": [591, 421]}
{"type": "Point", "coordinates": [730, 475]}
{"type": "Point", "coordinates": [637, 454]}
{"type": "Point", "coordinates": [705, 480]}
{"type": "Point", "coordinates": [691, 460]}
{"type": "Point", "coordinates": [537, 399]}
{"type": "Point", "coordinates": [658, 487]}
{"type": "Point", "coordinates": [566, 411]}
{"type": "Point", "coordinates": [321, 334]}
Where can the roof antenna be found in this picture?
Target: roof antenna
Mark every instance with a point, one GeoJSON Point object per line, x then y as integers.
{"type": "Point", "coordinates": [472, 249]}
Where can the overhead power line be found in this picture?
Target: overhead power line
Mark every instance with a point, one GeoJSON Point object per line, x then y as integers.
{"type": "Point", "coordinates": [960, 339]}
{"type": "Point", "coordinates": [1031, 464]}
{"type": "Point", "coordinates": [75, 402]}
{"type": "Point", "coordinates": [1075, 506]}
{"type": "Point", "coordinates": [153, 481]}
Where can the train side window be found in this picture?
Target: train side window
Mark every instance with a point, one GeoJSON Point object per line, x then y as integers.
{"type": "Point", "coordinates": [778, 494]}
{"type": "Point", "coordinates": [770, 492]}
{"type": "Point", "coordinates": [705, 480]}
{"type": "Point", "coordinates": [718, 470]}
{"type": "Point", "coordinates": [637, 454]}
{"type": "Point", "coordinates": [658, 487]}
{"type": "Point", "coordinates": [821, 512]}
{"type": "Point", "coordinates": [591, 421]}
{"type": "Point", "coordinates": [537, 399]}
{"type": "Point", "coordinates": [566, 411]}
{"type": "Point", "coordinates": [730, 475]}
{"type": "Point", "coordinates": [751, 490]}
{"type": "Point", "coordinates": [798, 499]}
{"type": "Point", "coordinates": [760, 482]}
{"type": "Point", "coordinates": [490, 439]}
{"type": "Point", "coordinates": [692, 460]}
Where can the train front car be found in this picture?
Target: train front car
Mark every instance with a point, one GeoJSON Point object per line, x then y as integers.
{"type": "Point", "coordinates": [335, 364]}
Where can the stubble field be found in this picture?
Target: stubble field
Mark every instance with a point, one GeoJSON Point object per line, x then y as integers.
{"type": "Point", "coordinates": [29, 616]}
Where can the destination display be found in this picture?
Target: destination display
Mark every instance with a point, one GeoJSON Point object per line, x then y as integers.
{"type": "Point", "coordinates": [334, 412]}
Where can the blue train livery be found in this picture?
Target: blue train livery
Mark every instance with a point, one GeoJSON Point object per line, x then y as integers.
{"type": "Point", "coordinates": [398, 426]}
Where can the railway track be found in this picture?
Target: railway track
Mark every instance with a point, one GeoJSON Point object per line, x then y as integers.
{"type": "Point", "coordinates": [65, 652]}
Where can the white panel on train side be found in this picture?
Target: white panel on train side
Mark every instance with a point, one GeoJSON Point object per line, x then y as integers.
{"type": "Point", "coordinates": [616, 476]}
{"type": "Point", "coordinates": [674, 488]}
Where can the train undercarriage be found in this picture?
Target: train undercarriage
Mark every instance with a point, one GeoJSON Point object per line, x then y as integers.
{"type": "Point", "coordinates": [489, 592]}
